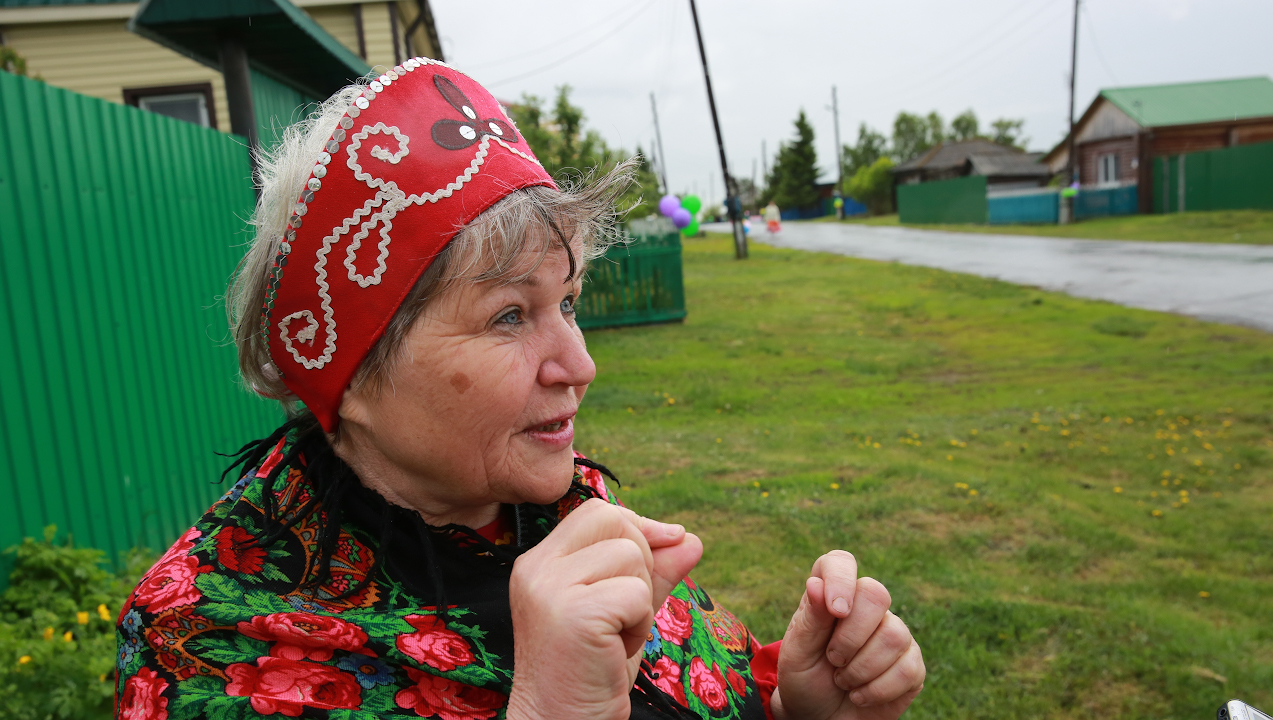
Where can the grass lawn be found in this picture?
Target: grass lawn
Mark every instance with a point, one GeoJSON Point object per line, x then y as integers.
{"type": "Point", "coordinates": [1071, 502]}
{"type": "Point", "coordinates": [1248, 227]}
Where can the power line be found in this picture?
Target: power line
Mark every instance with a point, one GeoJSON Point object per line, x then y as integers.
{"type": "Point", "coordinates": [621, 26]}
{"type": "Point", "coordinates": [551, 46]}
{"type": "Point", "coordinates": [1091, 31]}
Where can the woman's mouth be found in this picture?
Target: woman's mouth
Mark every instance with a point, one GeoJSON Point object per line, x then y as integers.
{"type": "Point", "coordinates": [558, 433]}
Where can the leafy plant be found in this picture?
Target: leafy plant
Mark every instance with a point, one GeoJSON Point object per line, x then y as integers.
{"type": "Point", "coordinates": [873, 186]}
{"type": "Point", "coordinates": [57, 630]}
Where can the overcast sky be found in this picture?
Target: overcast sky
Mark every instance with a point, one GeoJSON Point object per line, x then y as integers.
{"type": "Point", "coordinates": [1002, 58]}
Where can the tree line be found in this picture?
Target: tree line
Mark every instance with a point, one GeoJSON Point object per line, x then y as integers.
{"type": "Point", "coordinates": [867, 163]}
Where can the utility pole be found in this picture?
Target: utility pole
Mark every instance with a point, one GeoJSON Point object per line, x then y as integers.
{"type": "Point", "coordinates": [839, 160]}
{"type": "Point", "coordinates": [731, 189]}
{"type": "Point", "coordinates": [764, 164]}
{"type": "Point", "coordinates": [659, 135]}
{"type": "Point", "coordinates": [1072, 164]}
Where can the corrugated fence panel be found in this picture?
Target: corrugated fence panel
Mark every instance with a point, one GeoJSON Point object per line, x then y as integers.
{"type": "Point", "coordinates": [635, 284]}
{"type": "Point", "coordinates": [1023, 208]}
{"type": "Point", "coordinates": [1105, 202]}
{"type": "Point", "coordinates": [276, 106]}
{"type": "Point", "coordinates": [118, 231]}
{"type": "Point", "coordinates": [962, 200]}
{"type": "Point", "coordinates": [1232, 178]}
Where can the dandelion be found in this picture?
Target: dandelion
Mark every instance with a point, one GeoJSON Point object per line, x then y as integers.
{"type": "Point", "coordinates": [1198, 462]}
{"type": "Point", "coordinates": [876, 446]}
{"type": "Point", "coordinates": [1158, 412]}
{"type": "Point", "coordinates": [1065, 433]}
{"type": "Point", "coordinates": [1237, 466]}
{"type": "Point", "coordinates": [24, 659]}
{"type": "Point", "coordinates": [974, 431]}
{"type": "Point", "coordinates": [1118, 489]}
{"type": "Point", "coordinates": [1165, 483]}
{"type": "Point", "coordinates": [1184, 493]}
{"type": "Point", "coordinates": [717, 439]}
{"type": "Point", "coordinates": [1170, 452]}
{"type": "Point", "coordinates": [1104, 449]}
{"type": "Point", "coordinates": [1207, 446]}
{"type": "Point", "coordinates": [954, 443]}
{"type": "Point", "coordinates": [835, 486]}
{"type": "Point", "coordinates": [1204, 594]}
{"type": "Point", "coordinates": [766, 432]}
{"type": "Point", "coordinates": [973, 492]}
{"type": "Point", "coordinates": [1140, 503]}
{"type": "Point", "coordinates": [1215, 494]}
{"type": "Point", "coordinates": [671, 401]}
{"type": "Point", "coordinates": [669, 472]}
{"type": "Point", "coordinates": [950, 457]}
{"type": "Point", "coordinates": [101, 678]}
{"type": "Point", "coordinates": [48, 633]}
{"type": "Point", "coordinates": [1176, 505]}
{"type": "Point", "coordinates": [1157, 513]}
{"type": "Point", "coordinates": [81, 617]}
{"type": "Point", "coordinates": [67, 636]}
{"type": "Point", "coordinates": [1150, 456]}
{"type": "Point", "coordinates": [1007, 443]}
{"type": "Point", "coordinates": [665, 395]}
{"type": "Point", "coordinates": [755, 483]}
{"type": "Point", "coordinates": [1105, 419]}
{"type": "Point", "coordinates": [1153, 494]}
{"type": "Point", "coordinates": [961, 486]}
{"type": "Point", "coordinates": [632, 411]}
{"type": "Point", "coordinates": [1227, 423]}
{"type": "Point", "coordinates": [765, 494]}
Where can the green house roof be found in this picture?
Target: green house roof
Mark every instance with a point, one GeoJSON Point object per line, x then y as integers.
{"type": "Point", "coordinates": [1197, 102]}
{"type": "Point", "coordinates": [280, 39]}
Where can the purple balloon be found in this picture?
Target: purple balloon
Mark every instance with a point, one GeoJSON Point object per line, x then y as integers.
{"type": "Point", "coordinates": [681, 218]}
{"type": "Point", "coordinates": [668, 205]}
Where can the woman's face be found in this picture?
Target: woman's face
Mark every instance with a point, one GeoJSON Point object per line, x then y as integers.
{"type": "Point", "coordinates": [479, 408]}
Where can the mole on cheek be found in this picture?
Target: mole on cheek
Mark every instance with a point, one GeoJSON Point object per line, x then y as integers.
{"type": "Point", "coordinates": [461, 382]}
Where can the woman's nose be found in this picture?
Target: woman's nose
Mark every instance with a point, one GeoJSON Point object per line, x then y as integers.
{"type": "Point", "coordinates": [566, 359]}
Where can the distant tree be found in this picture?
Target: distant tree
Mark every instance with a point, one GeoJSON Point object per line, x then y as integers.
{"type": "Point", "coordinates": [11, 61]}
{"type": "Point", "coordinates": [964, 126]}
{"type": "Point", "coordinates": [873, 186]}
{"type": "Point", "coordinates": [566, 149]}
{"type": "Point", "coordinates": [1008, 132]}
{"type": "Point", "coordinates": [793, 180]}
{"type": "Point", "coordinates": [913, 134]}
{"type": "Point", "coordinates": [871, 146]}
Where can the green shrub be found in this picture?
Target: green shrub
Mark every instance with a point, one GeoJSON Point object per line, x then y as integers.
{"type": "Point", "coordinates": [57, 630]}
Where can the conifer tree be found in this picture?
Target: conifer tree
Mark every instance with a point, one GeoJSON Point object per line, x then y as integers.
{"type": "Point", "coordinates": [794, 177]}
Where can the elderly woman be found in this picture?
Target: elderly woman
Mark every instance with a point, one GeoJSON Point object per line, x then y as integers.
{"type": "Point", "coordinates": [420, 539]}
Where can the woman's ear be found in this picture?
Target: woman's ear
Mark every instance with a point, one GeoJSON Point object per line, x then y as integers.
{"type": "Point", "coordinates": [356, 406]}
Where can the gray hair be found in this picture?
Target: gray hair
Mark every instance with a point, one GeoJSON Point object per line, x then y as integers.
{"type": "Point", "coordinates": [492, 247]}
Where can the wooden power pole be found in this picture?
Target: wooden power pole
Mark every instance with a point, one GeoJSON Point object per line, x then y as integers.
{"type": "Point", "coordinates": [1072, 161]}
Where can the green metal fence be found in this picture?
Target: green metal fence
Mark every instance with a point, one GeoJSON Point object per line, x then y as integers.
{"type": "Point", "coordinates": [962, 200]}
{"type": "Point", "coordinates": [636, 283]}
{"type": "Point", "coordinates": [277, 106]}
{"type": "Point", "coordinates": [118, 231]}
{"type": "Point", "coordinates": [1231, 178]}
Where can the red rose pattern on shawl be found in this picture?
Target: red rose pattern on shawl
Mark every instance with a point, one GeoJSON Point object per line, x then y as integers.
{"type": "Point", "coordinates": [674, 621]}
{"type": "Point", "coordinates": [171, 582]}
{"type": "Point", "coordinates": [667, 677]}
{"type": "Point", "coordinates": [433, 645]}
{"type": "Point", "coordinates": [302, 635]}
{"type": "Point", "coordinates": [142, 699]}
{"type": "Point", "coordinates": [236, 551]}
{"type": "Point", "coordinates": [297, 653]}
{"type": "Point", "coordinates": [279, 685]}
{"type": "Point", "coordinates": [436, 696]}
{"type": "Point", "coordinates": [708, 685]}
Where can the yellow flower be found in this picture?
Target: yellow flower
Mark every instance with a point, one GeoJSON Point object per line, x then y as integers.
{"type": "Point", "coordinates": [961, 486]}
{"type": "Point", "coordinates": [835, 486]}
{"type": "Point", "coordinates": [1184, 493]}
{"type": "Point", "coordinates": [664, 394]}
{"type": "Point", "coordinates": [1118, 489]}
{"type": "Point", "coordinates": [1157, 513]}
{"type": "Point", "coordinates": [24, 659]}
{"type": "Point", "coordinates": [876, 446]}
{"type": "Point", "coordinates": [101, 678]}
{"type": "Point", "coordinates": [1158, 412]}
{"type": "Point", "coordinates": [717, 439]}
{"type": "Point", "coordinates": [1237, 466]}
{"type": "Point", "coordinates": [765, 494]}
{"type": "Point", "coordinates": [1204, 594]}
{"type": "Point", "coordinates": [632, 411]}
{"type": "Point", "coordinates": [1128, 420]}
{"type": "Point", "coordinates": [1207, 446]}
{"type": "Point", "coordinates": [1197, 462]}
{"type": "Point", "coordinates": [755, 483]}
{"type": "Point", "coordinates": [1215, 494]}
{"type": "Point", "coordinates": [67, 636]}
{"type": "Point", "coordinates": [1065, 433]}
{"type": "Point", "coordinates": [671, 401]}
{"type": "Point", "coordinates": [48, 633]}
{"type": "Point", "coordinates": [974, 431]}
{"type": "Point", "coordinates": [81, 617]}
{"type": "Point", "coordinates": [103, 613]}
{"type": "Point", "coordinates": [1153, 494]}
{"type": "Point", "coordinates": [1227, 423]}
{"type": "Point", "coordinates": [669, 472]}
{"type": "Point", "coordinates": [954, 443]}
{"type": "Point", "coordinates": [1105, 419]}
{"type": "Point", "coordinates": [950, 457]}
{"type": "Point", "coordinates": [972, 492]}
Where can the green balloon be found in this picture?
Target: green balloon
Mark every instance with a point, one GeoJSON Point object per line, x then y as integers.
{"type": "Point", "coordinates": [692, 203]}
{"type": "Point", "coordinates": [692, 229]}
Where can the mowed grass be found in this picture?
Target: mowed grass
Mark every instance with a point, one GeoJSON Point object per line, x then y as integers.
{"type": "Point", "coordinates": [1246, 227]}
{"type": "Point", "coordinates": [1071, 502]}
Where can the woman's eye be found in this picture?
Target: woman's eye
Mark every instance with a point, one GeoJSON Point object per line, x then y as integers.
{"type": "Point", "coordinates": [568, 306]}
{"type": "Point", "coordinates": [512, 317]}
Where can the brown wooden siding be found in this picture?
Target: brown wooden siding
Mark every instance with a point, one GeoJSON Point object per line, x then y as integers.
{"type": "Point", "coordinates": [1089, 153]}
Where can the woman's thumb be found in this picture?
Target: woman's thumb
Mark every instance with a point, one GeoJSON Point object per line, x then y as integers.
{"type": "Point", "coordinates": [805, 644]}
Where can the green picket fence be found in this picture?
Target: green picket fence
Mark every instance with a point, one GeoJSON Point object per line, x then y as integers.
{"type": "Point", "coordinates": [118, 231]}
{"type": "Point", "coordinates": [636, 283]}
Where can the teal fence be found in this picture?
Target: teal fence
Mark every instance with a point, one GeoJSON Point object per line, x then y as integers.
{"type": "Point", "coordinates": [1105, 202]}
{"type": "Point", "coordinates": [962, 200]}
{"type": "Point", "coordinates": [1231, 178]}
{"type": "Point", "coordinates": [118, 231]}
{"type": "Point", "coordinates": [1035, 206]}
{"type": "Point", "coordinates": [636, 283]}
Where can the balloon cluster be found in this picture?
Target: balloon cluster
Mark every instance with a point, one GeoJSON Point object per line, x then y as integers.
{"type": "Point", "coordinates": [682, 212]}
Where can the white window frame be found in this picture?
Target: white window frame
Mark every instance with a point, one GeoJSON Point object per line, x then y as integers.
{"type": "Point", "coordinates": [1107, 169]}
{"type": "Point", "coordinates": [144, 102]}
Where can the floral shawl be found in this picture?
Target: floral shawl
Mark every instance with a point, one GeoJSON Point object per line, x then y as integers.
{"type": "Point", "coordinates": [218, 629]}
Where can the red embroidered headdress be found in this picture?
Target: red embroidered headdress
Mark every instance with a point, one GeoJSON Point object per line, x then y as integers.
{"type": "Point", "coordinates": [419, 154]}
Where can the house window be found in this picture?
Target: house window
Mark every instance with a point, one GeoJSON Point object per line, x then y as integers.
{"type": "Point", "coordinates": [1107, 169]}
{"type": "Point", "coordinates": [191, 103]}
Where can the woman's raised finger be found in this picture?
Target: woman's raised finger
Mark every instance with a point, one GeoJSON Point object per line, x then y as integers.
{"type": "Point", "coordinates": [593, 521]}
{"type": "Point", "coordinates": [870, 603]}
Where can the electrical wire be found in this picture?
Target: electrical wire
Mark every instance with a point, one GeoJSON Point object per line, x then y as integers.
{"type": "Point", "coordinates": [621, 26]}
{"type": "Point", "coordinates": [555, 44]}
{"type": "Point", "coordinates": [1100, 56]}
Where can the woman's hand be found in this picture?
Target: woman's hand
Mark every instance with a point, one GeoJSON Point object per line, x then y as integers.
{"type": "Point", "coordinates": [583, 601]}
{"type": "Point", "coordinates": [845, 656]}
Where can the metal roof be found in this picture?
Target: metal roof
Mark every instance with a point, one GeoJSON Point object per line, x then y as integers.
{"type": "Point", "coordinates": [1026, 164]}
{"type": "Point", "coordinates": [1196, 102]}
{"type": "Point", "coordinates": [953, 154]}
{"type": "Point", "coordinates": [281, 39]}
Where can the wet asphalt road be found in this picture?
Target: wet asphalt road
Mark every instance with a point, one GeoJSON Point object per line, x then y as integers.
{"type": "Point", "coordinates": [1217, 282]}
